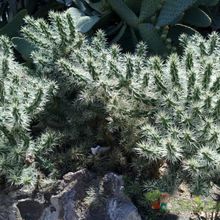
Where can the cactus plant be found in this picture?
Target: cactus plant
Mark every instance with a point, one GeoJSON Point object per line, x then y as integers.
{"type": "Point", "coordinates": [159, 23]}
{"type": "Point", "coordinates": [156, 111]}
{"type": "Point", "coordinates": [22, 97]}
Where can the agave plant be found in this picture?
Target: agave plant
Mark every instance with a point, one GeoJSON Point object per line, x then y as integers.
{"type": "Point", "coordinates": [215, 16]}
{"type": "Point", "coordinates": [12, 13]}
{"type": "Point", "coordinates": [157, 22]}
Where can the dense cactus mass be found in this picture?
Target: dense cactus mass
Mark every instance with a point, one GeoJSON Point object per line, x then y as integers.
{"type": "Point", "coordinates": [184, 127]}
{"type": "Point", "coordinates": [22, 97]}
{"type": "Point", "coordinates": [161, 110]}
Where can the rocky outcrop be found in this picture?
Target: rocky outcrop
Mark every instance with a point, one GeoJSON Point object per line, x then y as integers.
{"type": "Point", "coordinates": [78, 196]}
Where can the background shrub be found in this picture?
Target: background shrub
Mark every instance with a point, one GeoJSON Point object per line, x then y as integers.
{"type": "Point", "coordinates": [159, 23]}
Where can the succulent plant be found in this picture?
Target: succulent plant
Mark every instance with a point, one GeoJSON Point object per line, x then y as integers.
{"type": "Point", "coordinates": [157, 111]}
{"type": "Point", "coordinates": [184, 127]}
{"type": "Point", "coordinates": [22, 97]}
{"type": "Point", "coordinates": [159, 23]}
{"type": "Point", "coordinates": [12, 13]}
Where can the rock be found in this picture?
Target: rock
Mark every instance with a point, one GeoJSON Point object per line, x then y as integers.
{"type": "Point", "coordinates": [68, 177]}
{"type": "Point", "coordinates": [182, 188]}
{"type": "Point", "coordinates": [121, 209]}
{"type": "Point", "coordinates": [8, 208]}
{"type": "Point", "coordinates": [98, 149]}
{"type": "Point", "coordinates": [30, 209]}
{"type": "Point", "coordinates": [215, 193]}
{"type": "Point", "coordinates": [79, 196]}
{"type": "Point", "coordinates": [113, 184]}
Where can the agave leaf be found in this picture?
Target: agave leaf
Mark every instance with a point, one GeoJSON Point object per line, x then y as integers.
{"type": "Point", "coordinates": [134, 36]}
{"type": "Point", "coordinates": [150, 35]}
{"type": "Point", "coordinates": [207, 2]}
{"type": "Point", "coordinates": [216, 22]}
{"type": "Point", "coordinates": [80, 5]}
{"type": "Point", "coordinates": [119, 35]}
{"type": "Point", "coordinates": [177, 20]}
{"type": "Point", "coordinates": [126, 40]}
{"type": "Point", "coordinates": [124, 12]}
{"type": "Point", "coordinates": [30, 5]}
{"type": "Point", "coordinates": [105, 21]}
{"type": "Point", "coordinates": [134, 5]}
{"type": "Point", "coordinates": [179, 29]}
{"type": "Point", "coordinates": [2, 24]}
{"type": "Point", "coordinates": [148, 8]}
{"type": "Point", "coordinates": [43, 10]}
{"type": "Point", "coordinates": [114, 29]}
{"type": "Point", "coordinates": [23, 47]}
{"type": "Point", "coordinates": [84, 6]}
{"type": "Point", "coordinates": [12, 28]}
{"type": "Point", "coordinates": [3, 11]}
{"type": "Point", "coordinates": [197, 17]}
{"type": "Point", "coordinates": [99, 6]}
{"type": "Point", "coordinates": [66, 2]}
{"type": "Point", "coordinates": [86, 23]}
{"type": "Point", "coordinates": [172, 9]}
{"type": "Point", "coordinates": [83, 22]}
{"type": "Point", "coordinates": [13, 8]}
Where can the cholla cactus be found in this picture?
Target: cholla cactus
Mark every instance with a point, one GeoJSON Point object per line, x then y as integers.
{"type": "Point", "coordinates": [166, 110]}
{"type": "Point", "coordinates": [184, 127]}
{"type": "Point", "coordinates": [22, 96]}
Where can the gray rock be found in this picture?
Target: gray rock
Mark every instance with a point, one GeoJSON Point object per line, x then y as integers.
{"type": "Point", "coordinates": [113, 184]}
{"type": "Point", "coordinates": [119, 207]}
{"type": "Point", "coordinates": [30, 209]}
{"type": "Point", "coordinates": [122, 209]}
{"type": "Point", "coordinates": [79, 196]}
{"type": "Point", "coordinates": [8, 208]}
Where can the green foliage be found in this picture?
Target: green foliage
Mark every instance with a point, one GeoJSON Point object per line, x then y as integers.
{"type": "Point", "coordinates": [12, 15]}
{"type": "Point", "coordinates": [22, 97]}
{"type": "Point", "coordinates": [10, 8]}
{"type": "Point", "coordinates": [156, 22]}
{"type": "Point", "coordinates": [154, 111]}
{"type": "Point", "coordinates": [153, 196]}
{"type": "Point", "coordinates": [13, 27]}
{"type": "Point", "coordinates": [172, 10]}
{"type": "Point", "coordinates": [197, 17]}
{"type": "Point", "coordinates": [202, 207]}
{"type": "Point", "coordinates": [214, 14]}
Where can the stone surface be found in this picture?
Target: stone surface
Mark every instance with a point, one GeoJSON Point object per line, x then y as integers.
{"type": "Point", "coordinates": [78, 196]}
{"type": "Point", "coordinates": [119, 209]}
{"type": "Point", "coordinates": [30, 209]}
